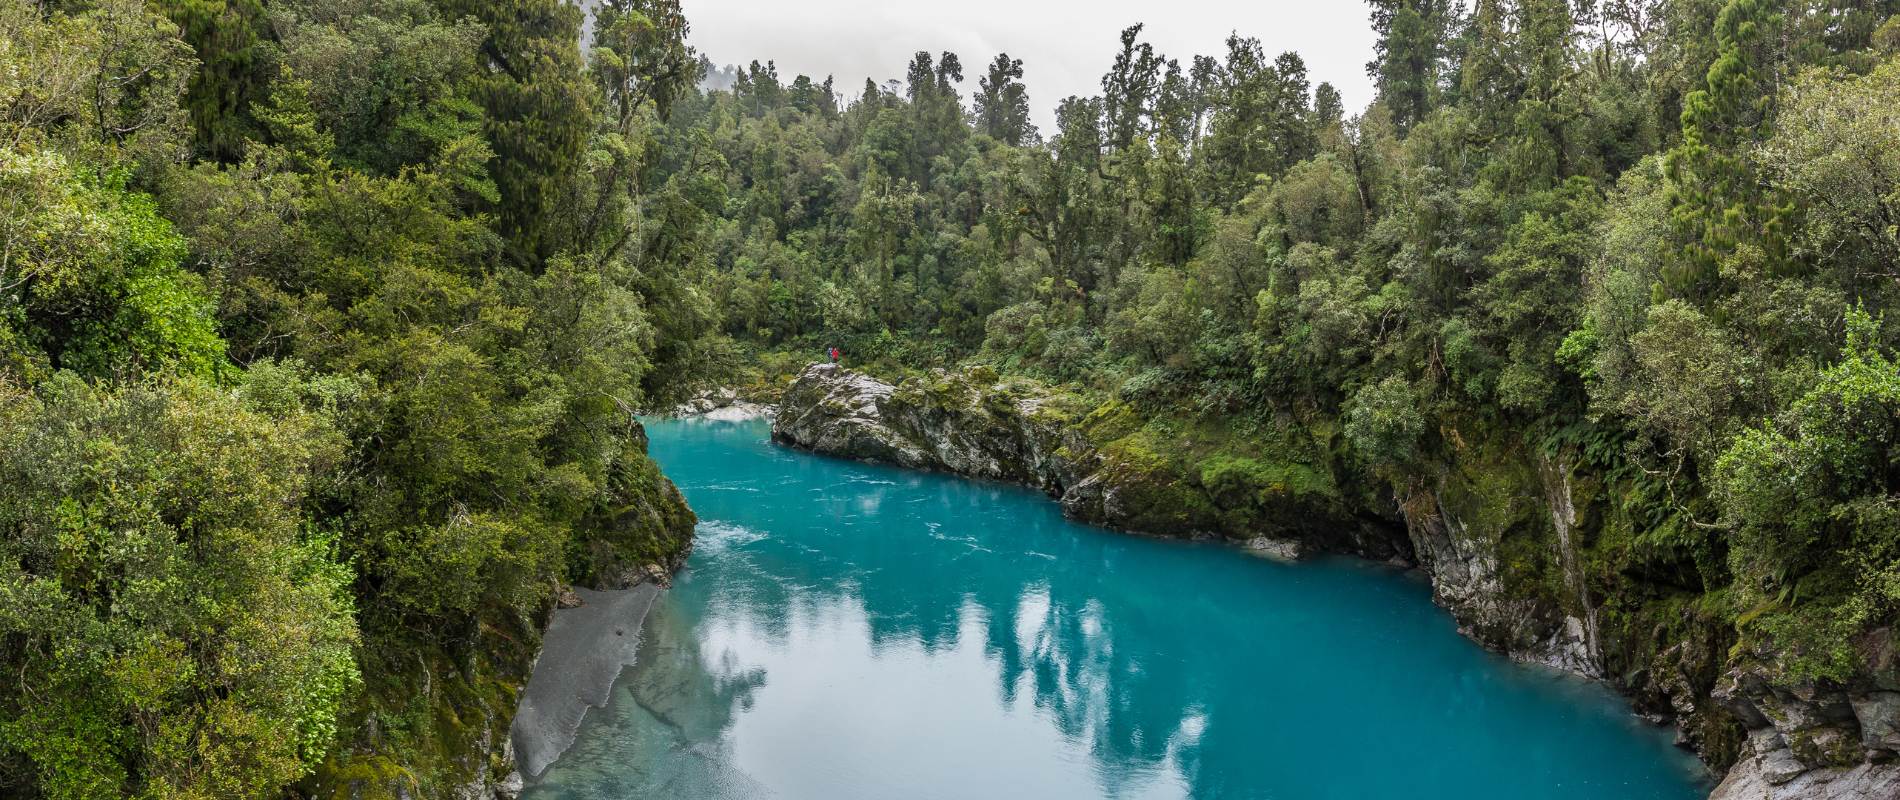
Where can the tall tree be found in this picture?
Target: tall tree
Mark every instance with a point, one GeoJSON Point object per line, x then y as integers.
{"type": "Point", "coordinates": [1002, 103]}
{"type": "Point", "coordinates": [1129, 89]}
{"type": "Point", "coordinates": [936, 109]}
{"type": "Point", "coordinates": [641, 66]}
{"type": "Point", "coordinates": [232, 74]}
{"type": "Point", "coordinates": [539, 114]}
{"type": "Point", "coordinates": [1261, 121]}
{"type": "Point", "coordinates": [1406, 64]}
{"type": "Point", "coordinates": [1717, 201]}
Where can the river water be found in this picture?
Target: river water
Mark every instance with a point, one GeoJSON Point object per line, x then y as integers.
{"type": "Point", "coordinates": [848, 632]}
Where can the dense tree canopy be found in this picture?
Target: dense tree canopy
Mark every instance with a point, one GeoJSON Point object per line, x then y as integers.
{"type": "Point", "coordinates": [322, 323]}
{"type": "Point", "coordinates": [321, 329]}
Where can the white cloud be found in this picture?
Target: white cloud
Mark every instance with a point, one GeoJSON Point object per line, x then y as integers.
{"type": "Point", "coordinates": [1065, 46]}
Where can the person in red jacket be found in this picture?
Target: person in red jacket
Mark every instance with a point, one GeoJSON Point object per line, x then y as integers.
{"type": "Point", "coordinates": [834, 355]}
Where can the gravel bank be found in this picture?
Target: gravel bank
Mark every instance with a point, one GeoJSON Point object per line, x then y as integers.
{"type": "Point", "coordinates": [584, 651]}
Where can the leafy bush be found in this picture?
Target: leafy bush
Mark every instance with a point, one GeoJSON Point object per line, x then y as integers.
{"type": "Point", "coordinates": [1384, 423]}
{"type": "Point", "coordinates": [176, 628]}
{"type": "Point", "coordinates": [1814, 500]}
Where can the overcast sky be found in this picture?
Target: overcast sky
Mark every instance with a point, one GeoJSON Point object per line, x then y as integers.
{"type": "Point", "coordinates": [1065, 45]}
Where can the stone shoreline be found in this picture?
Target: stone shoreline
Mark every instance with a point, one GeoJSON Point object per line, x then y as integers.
{"type": "Point", "coordinates": [590, 639]}
{"type": "Point", "coordinates": [722, 405]}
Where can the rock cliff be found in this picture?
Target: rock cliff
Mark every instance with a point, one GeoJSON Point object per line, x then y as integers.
{"type": "Point", "coordinates": [970, 425]}
{"type": "Point", "coordinates": [1527, 552]}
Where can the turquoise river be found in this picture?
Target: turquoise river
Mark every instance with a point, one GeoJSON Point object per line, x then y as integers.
{"type": "Point", "coordinates": [850, 632]}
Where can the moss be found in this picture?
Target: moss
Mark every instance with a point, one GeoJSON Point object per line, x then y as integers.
{"type": "Point", "coordinates": [1001, 405]}
{"type": "Point", "coordinates": [1657, 628]}
{"type": "Point", "coordinates": [1151, 489]}
{"type": "Point", "coordinates": [1258, 495]}
{"type": "Point", "coordinates": [1223, 473]}
{"type": "Point", "coordinates": [367, 777]}
{"type": "Point", "coordinates": [433, 712]}
{"type": "Point", "coordinates": [1060, 409]}
{"type": "Point", "coordinates": [1217, 478]}
{"type": "Point", "coordinates": [937, 391]}
{"type": "Point", "coordinates": [1111, 421]}
{"type": "Point", "coordinates": [1137, 453]}
{"type": "Point", "coordinates": [1811, 638]}
{"type": "Point", "coordinates": [1827, 746]}
{"type": "Point", "coordinates": [1494, 489]}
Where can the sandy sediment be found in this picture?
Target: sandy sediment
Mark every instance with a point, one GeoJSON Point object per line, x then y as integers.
{"type": "Point", "coordinates": [583, 652]}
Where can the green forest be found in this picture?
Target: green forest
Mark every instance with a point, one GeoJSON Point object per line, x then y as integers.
{"type": "Point", "coordinates": [324, 323]}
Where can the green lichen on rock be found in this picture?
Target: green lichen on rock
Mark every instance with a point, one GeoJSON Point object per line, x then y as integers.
{"type": "Point", "coordinates": [1256, 494]}
{"type": "Point", "coordinates": [1110, 463]}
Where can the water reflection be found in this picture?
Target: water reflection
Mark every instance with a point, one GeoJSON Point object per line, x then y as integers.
{"type": "Point", "coordinates": [854, 632]}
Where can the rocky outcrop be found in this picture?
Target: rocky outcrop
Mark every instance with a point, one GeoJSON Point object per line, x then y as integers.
{"type": "Point", "coordinates": [723, 403]}
{"type": "Point", "coordinates": [1513, 545]}
{"type": "Point", "coordinates": [970, 424]}
{"type": "Point", "coordinates": [1770, 771]}
{"type": "Point", "coordinates": [643, 527]}
{"type": "Point", "coordinates": [1810, 741]}
{"type": "Point", "coordinates": [1467, 581]}
{"type": "Point", "coordinates": [956, 428]}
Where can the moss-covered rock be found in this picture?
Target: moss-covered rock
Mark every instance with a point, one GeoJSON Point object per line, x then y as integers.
{"type": "Point", "coordinates": [1109, 464]}
{"type": "Point", "coordinates": [434, 716]}
{"type": "Point", "coordinates": [643, 529]}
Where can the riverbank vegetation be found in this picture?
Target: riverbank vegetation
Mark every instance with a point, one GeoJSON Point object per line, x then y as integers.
{"type": "Point", "coordinates": [321, 325]}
